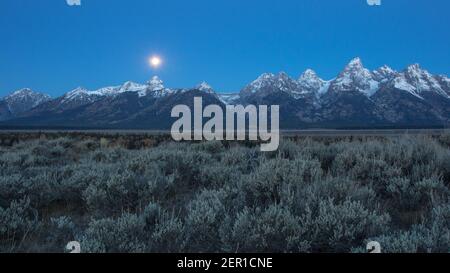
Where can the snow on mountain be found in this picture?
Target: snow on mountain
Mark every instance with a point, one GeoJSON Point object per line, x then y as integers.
{"type": "Point", "coordinates": [384, 74]}
{"type": "Point", "coordinates": [401, 83]}
{"type": "Point", "coordinates": [416, 81]}
{"type": "Point", "coordinates": [24, 99]}
{"type": "Point", "coordinates": [422, 80]}
{"type": "Point", "coordinates": [270, 83]}
{"type": "Point", "coordinates": [309, 82]}
{"type": "Point", "coordinates": [261, 81]}
{"type": "Point", "coordinates": [155, 84]}
{"type": "Point", "coordinates": [106, 91]}
{"type": "Point", "coordinates": [155, 88]}
{"type": "Point", "coordinates": [80, 94]}
{"type": "Point", "coordinates": [116, 90]}
{"type": "Point", "coordinates": [356, 97]}
{"type": "Point", "coordinates": [444, 82]}
{"type": "Point", "coordinates": [205, 87]}
{"type": "Point", "coordinates": [27, 94]}
{"type": "Point", "coordinates": [132, 87]}
{"type": "Point", "coordinates": [413, 79]}
{"type": "Point", "coordinates": [355, 77]}
{"type": "Point", "coordinates": [229, 98]}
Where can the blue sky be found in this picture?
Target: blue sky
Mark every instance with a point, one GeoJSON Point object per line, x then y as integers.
{"type": "Point", "coordinates": [52, 47]}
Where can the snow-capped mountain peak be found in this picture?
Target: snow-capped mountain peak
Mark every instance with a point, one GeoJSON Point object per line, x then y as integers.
{"type": "Point", "coordinates": [262, 81]}
{"type": "Point", "coordinates": [205, 87]}
{"type": "Point", "coordinates": [414, 68]}
{"type": "Point", "coordinates": [284, 76]}
{"type": "Point", "coordinates": [80, 95]}
{"type": "Point", "coordinates": [384, 74]}
{"type": "Point", "coordinates": [130, 86]}
{"type": "Point", "coordinates": [24, 99]}
{"type": "Point", "coordinates": [421, 80]}
{"type": "Point", "coordinates": [77, 91]}
{"type": "Point", "coordinates": [106, 91]}
{"type": "Point", "coordinates": [355, 63]}
{"type": "Point", "coordinates": [386, 69]}
{"type": "Point", "coordinates": [83, 94]}
{"type": "Point", "coordinates": [310, 82]}
{"type": "Point", "coordinates": [355, 77]}
{"type": "Point", "coordinates": [265, 76]}
{"type": "Point", "coordinates": [401, 83]}
{"type": "Point", "coordinates": [308, 74]}
{"type": "Point", "coordinates": [156, 88]}
{"type": "Point", "coordinates": [25, 93]}
{"type": "Point", "coordinates": [20, 92]}
{"type": "Point", "coordinates": [416, 73]}
{"type": "Point", "coordinates": [285, 83]}
{"type": "Point", "coordinates": [155, 84]}
{"type": "Point", "coordinates": [270, 83]}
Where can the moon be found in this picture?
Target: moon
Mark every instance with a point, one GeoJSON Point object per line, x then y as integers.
{"type": "Point", "coordinates": [155, 61]}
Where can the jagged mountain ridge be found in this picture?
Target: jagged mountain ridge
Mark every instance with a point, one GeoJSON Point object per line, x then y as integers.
{"type": "Point", "coordinates": [357, 97]}
{"type": "Point", "coordinates": [21, 101]}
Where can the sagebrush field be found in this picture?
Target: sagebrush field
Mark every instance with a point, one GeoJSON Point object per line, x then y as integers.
{"type": "Point", "coordinates": [153, 195]}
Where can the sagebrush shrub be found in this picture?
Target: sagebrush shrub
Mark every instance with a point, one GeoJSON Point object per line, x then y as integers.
{"type": "Point", "coordinates": [337, 227]}
{"type": "Point", "coordinates": [203, 221]}
{"type": "Point", "coordinates": [314, 194]}
{"type": "Point", "coordinates": [274, 229]}
{"type": "Point", "coordinates": [18, 222]}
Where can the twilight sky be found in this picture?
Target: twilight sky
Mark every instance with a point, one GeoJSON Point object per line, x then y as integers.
{"type": "Point", "coordinates": [52, 47]}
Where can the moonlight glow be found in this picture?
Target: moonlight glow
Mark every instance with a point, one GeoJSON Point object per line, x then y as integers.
{"type": "Point", "coordinates": [155, 61]}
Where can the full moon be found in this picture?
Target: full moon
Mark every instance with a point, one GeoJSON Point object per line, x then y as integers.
{"type": "Point", "coordinates": [155, 61]}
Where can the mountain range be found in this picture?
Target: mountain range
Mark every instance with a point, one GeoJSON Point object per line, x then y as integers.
{"type": "Point", "coordinates": [355, 98]}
